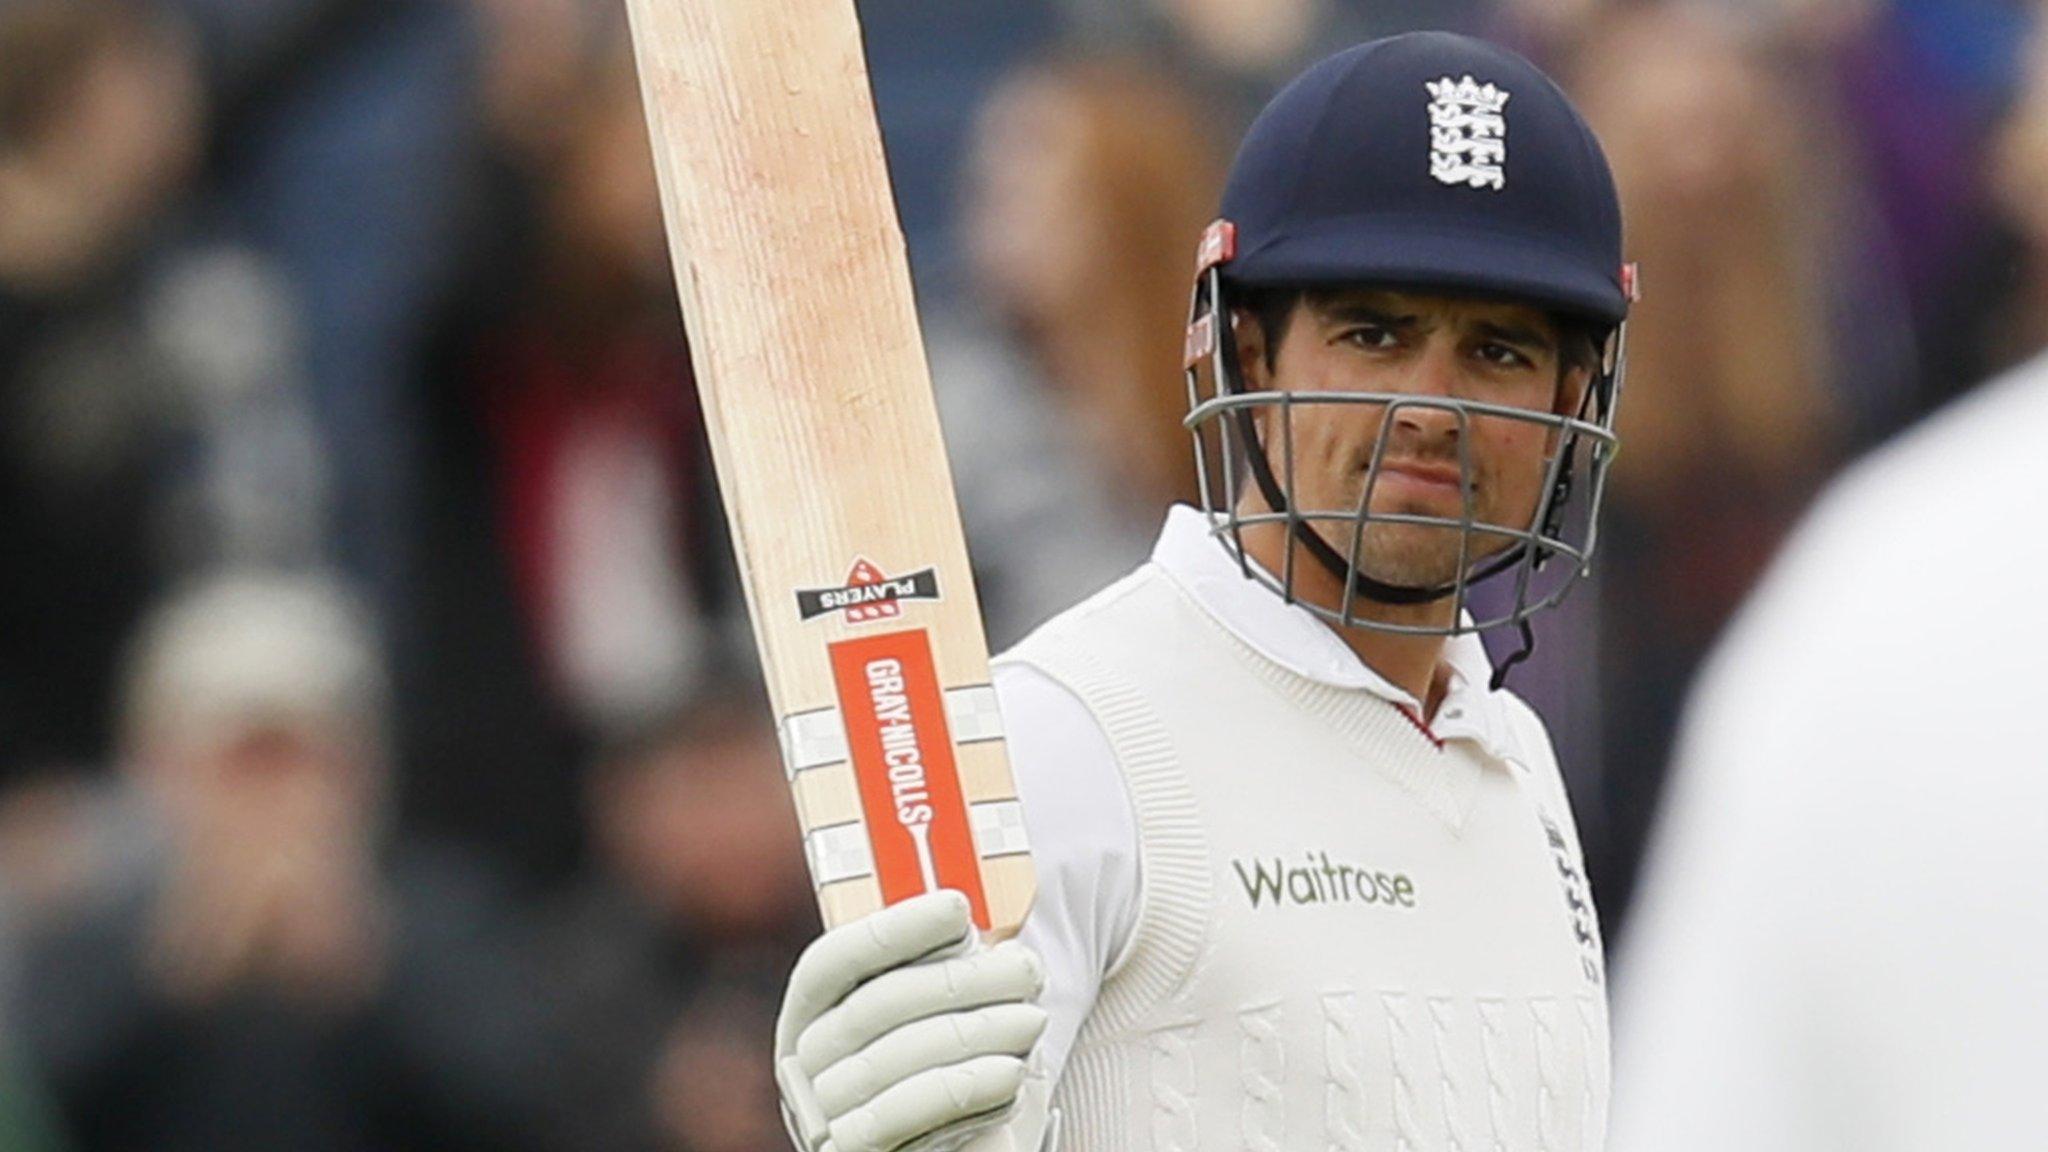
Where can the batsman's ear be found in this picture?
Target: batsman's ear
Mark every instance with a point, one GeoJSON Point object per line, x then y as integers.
{"type": "Point", "coordinates": [1253, 357]}
{"type": "Point", "coordinates": [1572, 381]}
{"type": "Point", "coordinates": [1582, 355]}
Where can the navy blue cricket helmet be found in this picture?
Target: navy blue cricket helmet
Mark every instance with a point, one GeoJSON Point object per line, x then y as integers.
{"type": "Point", "coordinates": [1432, 160]}
{"type": "Point", "coordinates": [1427, 161]}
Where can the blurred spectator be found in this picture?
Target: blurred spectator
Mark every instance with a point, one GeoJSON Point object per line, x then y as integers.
{"type": "Point", "coordinates": [585, 394]}
{"type": "Point", "coordinates": [322, 143]}
{"type": "Point", "coordinates": [1995, 313]}
{"type": "Point", "coordinates": [667, 963]}
{"type": "Point", "coordinates": [25, 1124]}
{"type": "Point", "coordinates": [253, 959]}
{"type": "Point", "coordinates": [715, 1087]}
{"type": "Point", "coordinates": [1237, 53]}
{"type": "Point", "coordinates": [1730, 414]}
{"type": "Point", "coordinates": [1728, 349]}
{"type": "Point", "coordinates": [1088, 181]}
{"type": "Point", "coordinates": [574, 580]}
{"type": "Point", "coordinates": [150, 419]}
{"type": "Point", "coordinates": [1921, 85]}
{"type": "Point", "coordinates": [344, 137]}
{"type": "Point", "coordinates": [535, 59]}
{"type": "Point", "coordinates": [1089, 185]}
{"type": "Point", "coordinates": [932, 64]}
{"type": "Point", "coordinates": [1839, 939]}
{"type": "Point", "coordinates": [99, 119]}
{"type": "Point", "coordinates": [1909, 92]}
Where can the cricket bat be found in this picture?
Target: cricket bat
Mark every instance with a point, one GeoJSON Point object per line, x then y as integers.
{"type": "Point", "coordinates": [811, 371]}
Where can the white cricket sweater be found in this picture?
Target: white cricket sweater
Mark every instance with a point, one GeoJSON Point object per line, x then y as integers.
{"type": "Point", "coordinates": [1348, 935]}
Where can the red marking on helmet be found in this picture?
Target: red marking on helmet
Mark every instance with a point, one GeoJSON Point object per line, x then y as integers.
{"type": "Point", "coordinates": [1631, 283]}
{"type": "Point", "coordinates": [1201, 341]}
{"type": "Point", "coordinates": [1219, 245]}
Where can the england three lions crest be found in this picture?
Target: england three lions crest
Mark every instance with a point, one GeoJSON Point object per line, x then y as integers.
{"type": "Point", "coordinates": [1468, 135]}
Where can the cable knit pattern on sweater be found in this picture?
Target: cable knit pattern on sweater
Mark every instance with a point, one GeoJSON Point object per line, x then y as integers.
{"type": "Point", "coordinates": [1350, 935]}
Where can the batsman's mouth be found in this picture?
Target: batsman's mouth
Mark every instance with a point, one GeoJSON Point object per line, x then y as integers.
{"type": "Point", "coordinates": [1444, 475]}
{"type": "Point", "coordinates": [1411, 481]}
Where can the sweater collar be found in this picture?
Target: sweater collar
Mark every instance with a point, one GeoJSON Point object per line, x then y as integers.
{"type": "Point", "coordinates": [1307, 645]}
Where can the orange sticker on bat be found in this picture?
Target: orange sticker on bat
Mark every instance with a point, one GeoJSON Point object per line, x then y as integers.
{"type": "Point", "coordinates": [902, 753]}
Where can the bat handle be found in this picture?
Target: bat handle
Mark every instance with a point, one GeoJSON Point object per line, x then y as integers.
{"type": "Point", "coordinates": [921, 834]}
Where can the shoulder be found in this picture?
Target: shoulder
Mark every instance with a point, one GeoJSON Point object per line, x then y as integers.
{"type": "Point", "coordinates": [1973, 478]}
{"type": "Point", "coordinates": [1529, 738]}
{"type": "Point", "coordinates": [1998, 428]}
{"type": "Point", "coordinates": [1080, 820]}
{"type": "Point", "coordinates": [1091, 628]}
{"type": "Point", "coordinates": [1525, 726]}
{"type": "Point", "coordinates": [1893, 591]}
{"type": "Point", "coordinates": [1526, 734]}
{"type": "Point", "coordinates": [1038, 707]}
{"type": "Point", "coordinates": [1065, 767]}
{"type": "Point", "coordinates": [1885, 650]}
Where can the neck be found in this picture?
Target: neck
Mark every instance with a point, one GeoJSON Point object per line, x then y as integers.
{"type": "Point", "coordinates": [1414, 663]}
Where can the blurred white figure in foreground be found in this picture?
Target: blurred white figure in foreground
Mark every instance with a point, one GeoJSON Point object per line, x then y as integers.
{"type": "Point", "coordinates": [1841, 935]}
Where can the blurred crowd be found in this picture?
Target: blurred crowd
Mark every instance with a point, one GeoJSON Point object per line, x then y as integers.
{"type": "Point", "coordinates": [381, 758]}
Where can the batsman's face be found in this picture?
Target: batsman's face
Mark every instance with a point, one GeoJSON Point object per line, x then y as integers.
{"type": "Point", "coordinates": [1429, 347]}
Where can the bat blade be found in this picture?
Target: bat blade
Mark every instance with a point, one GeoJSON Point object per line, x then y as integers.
{"type": "Point", "coordinates": [797, 298]}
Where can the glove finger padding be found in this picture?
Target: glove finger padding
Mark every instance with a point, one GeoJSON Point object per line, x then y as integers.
{"type": "Point", "coordinates": [949, 1103]}
{"type": "Point", "coordinates": [1007, 973]}
{"type": "Point", "coordinates": [807, 1123]}
{"type": "Point", "coordinates": [936, 923]}
{"type": "Point", "coordinates": [922, 1045]}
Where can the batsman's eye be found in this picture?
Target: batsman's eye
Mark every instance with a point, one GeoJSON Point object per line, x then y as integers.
{"type": "Point", "coordinates": [1369, 336]}
{"type": "Point", "coordinates": [1503, 355]}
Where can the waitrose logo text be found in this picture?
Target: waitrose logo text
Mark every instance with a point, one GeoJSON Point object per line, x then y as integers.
{"type": "Point", "coordinates": [1320, 880]}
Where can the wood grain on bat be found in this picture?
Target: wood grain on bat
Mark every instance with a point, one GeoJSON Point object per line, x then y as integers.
{"type": "Point", "coordinates": [797, 297]}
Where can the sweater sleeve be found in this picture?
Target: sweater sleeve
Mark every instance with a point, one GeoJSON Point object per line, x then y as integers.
{"type": "Point", "coordinates": [1084, 846]}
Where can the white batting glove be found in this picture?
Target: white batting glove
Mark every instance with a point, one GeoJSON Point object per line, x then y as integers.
{"type": "Point", "coordinates": [900, 1034]}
